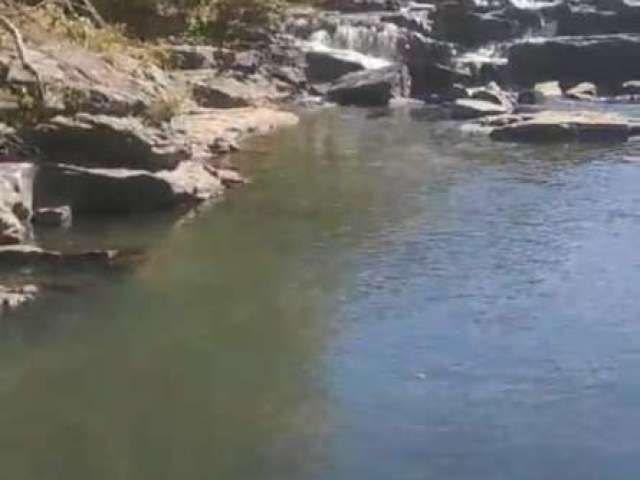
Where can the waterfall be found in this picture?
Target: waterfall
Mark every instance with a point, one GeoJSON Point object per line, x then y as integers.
{"type": "Point", "coordinates": [377, 40]}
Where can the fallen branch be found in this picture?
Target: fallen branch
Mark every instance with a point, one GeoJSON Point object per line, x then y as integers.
{"type": "Point", "coordinates": [7, 25]}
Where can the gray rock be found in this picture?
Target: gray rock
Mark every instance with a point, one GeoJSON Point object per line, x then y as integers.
{"type": "Point", "coordinates": [371, 87]}
{"type": "Point", "coordinates": [466, 108]}
{"type": "Point", "coordinates": [20, 256]}
{"type": "Point", "coordinates": [358, 6]}
{"type": "Point", "coordinates": [328, 66]}
{"type": "Point", "coordinates": [121, 191]}
{"type": "Point", "coordinates": [14, 297]}
{"type": "Point", "coordinates": [455, 22]}
{"type": "Point", "coordinates": [192, 57]}
{"type": "Point", "coordinates": [603, 60]}
{"type": "Point", "coordinates": [16, 200]}
{"type": "Point", "coordinates": [494, 94]}
{"type": "Point", "coordinates": [53, 216]}
{"type": "Point", "coordinates": [106, 141]}
{"type": "Point", "coordinates": [560, 126]}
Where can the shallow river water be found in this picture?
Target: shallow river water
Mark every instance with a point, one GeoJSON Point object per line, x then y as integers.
{"type": "Point", "coordinates": [389, 299]}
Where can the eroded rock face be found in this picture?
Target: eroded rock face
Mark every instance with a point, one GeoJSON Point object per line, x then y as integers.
{"type": "Point", "coordinates": [122, 191]}
{"type": "Point", "coordinates": [78, 80]}
{"type": "Point", "coordinates": [111, 142]}
{"type": "Point", "coordinates": [16, 199]}
{"type": "Point", "coordinates": [560, 126]}
{"type": "Point", "coordinates": [604, 60]}
{"type": "Point", "coordinates": [371, 87]}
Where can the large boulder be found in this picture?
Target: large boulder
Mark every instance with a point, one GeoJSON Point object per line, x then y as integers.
{"type": "Point", "coordinates": [122, 191]}
{"type": "Point", "coordinates": [110, 142]}
{"type": "Point", "coordinates": [79, 80]}
{"type": "Point", "coordinates": [428, 61]}
{"type": "Point", "coordinates": [561, 126]}
{"type": "Point", "coordinates": [605, 60]}
{"type": "Point", "coordinates": [456, 22]}
{"type": "Point", "coordinates": [213, 89]}
{"type": "Point", "coordinates": [329, 65]}
{"type": "Point", "coordinates": [371, 87]}
{"type": "Point", "coordinates": [192, 57]}
{"type": "Point", "coordinates": [586, 20]}
{"type": "Point", "coordinates": [16, 199]}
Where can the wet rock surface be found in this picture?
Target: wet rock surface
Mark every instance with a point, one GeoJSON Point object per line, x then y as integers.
{"type": "Point", "coordinates": [561, 126]}
{"type": "Point", "coordinates": [370, 87]}
{"type": "Point", "coordinates": [16, 193]}
{"type": "Point", "coordinates": [14, 297]}
{"type": "Point", "coordinates": [599, 59]}
{"type": "Point", "coordinates": [124, 191]}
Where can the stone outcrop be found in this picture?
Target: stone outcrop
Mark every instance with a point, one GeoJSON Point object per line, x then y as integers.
{"type": "Point", "coordinates": [109, 142]}
{"type": "Point", "coordinates": [561, 126]}
{"type": "Point", "coordinates": [328, 66]}
{"type": "Point", "coordinates": [605, 60]}
{"type": "Point", "coordinates": [16, 184]}
{"type": "Point", "coordinates": [124, 191]}
{"type": "Point", "coordinates": [371, 87]}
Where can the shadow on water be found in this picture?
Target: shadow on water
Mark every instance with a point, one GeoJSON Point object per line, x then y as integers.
{"type": "Point", "coordinates": [278, 335]}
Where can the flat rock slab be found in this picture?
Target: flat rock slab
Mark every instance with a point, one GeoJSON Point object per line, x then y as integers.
{"type": "Point", "coordinates": [206, 128]}
{"type": "Point", "coordinates": [30, 256]}
{"type": "Point", "coordinates": [560, 126]}
{"type": "Point", "coordinates": [123, 191]}
{"type": "Point", "coordinates": [107, 141]}
{"type": "Point", "coordinates": [211, 89]}
{"type": "Point", "coordinates": [468, 108]}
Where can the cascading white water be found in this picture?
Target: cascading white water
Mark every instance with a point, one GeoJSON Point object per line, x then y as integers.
{"type": "Point", "coordinates": [379, 40]}
{"type": "Point", "coordinates": [374, 45]}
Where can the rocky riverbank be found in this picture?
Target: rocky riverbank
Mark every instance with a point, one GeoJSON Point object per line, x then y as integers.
{"type": "Point", "coordinates": [116, 134]}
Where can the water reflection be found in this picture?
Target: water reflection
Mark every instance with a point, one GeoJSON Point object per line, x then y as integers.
{"type": "Point", "coordinates": [390, 298]}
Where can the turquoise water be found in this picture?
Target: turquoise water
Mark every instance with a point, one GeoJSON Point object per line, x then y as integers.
{"type": "Point", "coordinates": [389, 299]}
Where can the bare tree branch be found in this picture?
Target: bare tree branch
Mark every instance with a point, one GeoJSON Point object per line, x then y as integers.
{"type": "Point", "coordinates": [7, 25]}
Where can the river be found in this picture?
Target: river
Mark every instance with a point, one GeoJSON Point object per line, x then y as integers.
{"type": "Point", "coordinates": [391, 298]}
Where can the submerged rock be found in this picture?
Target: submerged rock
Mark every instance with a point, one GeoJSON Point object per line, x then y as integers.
{"type": "Point", "coordinates": [371, 87]}
{"type": "Point", "coordinates": [14, 297]}
{"type": "Point", "coordinates": [53, 216]}
{"type": "Point", "coordinates": [561, 126]}
{"type": "Point", "coordinates": [121, 191]}
{"type": "Point", "coordinates": [19, 256]}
